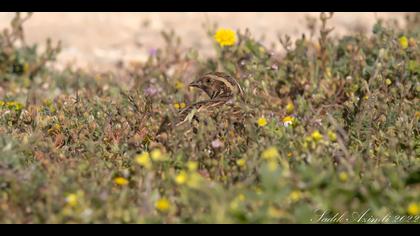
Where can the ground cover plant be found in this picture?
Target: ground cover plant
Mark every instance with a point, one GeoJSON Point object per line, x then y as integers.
{"type": "Point", "coordinates": [330, 128]}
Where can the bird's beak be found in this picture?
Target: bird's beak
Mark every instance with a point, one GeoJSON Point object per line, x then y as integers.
{"type": "Point", "coordinates": [194, 84]}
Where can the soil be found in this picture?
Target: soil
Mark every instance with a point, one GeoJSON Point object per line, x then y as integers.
{"type": "Point", "coordinates": [100, 40]}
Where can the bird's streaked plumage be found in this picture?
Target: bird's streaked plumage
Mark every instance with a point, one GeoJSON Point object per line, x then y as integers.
{"type": "Point", "coordinates": [218, 85]}
{"type": "Point", "coordinates": [221, 89]}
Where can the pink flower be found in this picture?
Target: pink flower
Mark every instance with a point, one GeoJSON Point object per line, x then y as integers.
{"type": "Point", "coordinates": [151, 91]}
{"type": "Point", "coordinates": [216, 143]}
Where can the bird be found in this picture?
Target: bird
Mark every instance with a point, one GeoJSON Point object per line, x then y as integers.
{"type": "Point", "coordinates": [188, 113]}
{"type": "Point", "coordinates": [221, 89]}
{"type": "Point", "coordinates": [218, 85]}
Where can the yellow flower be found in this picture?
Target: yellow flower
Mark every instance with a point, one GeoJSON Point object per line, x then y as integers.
{"type": "Point", "coordinates": [290, 155]}
{"type": "Point", "coordinates": [144, 160]}
{"type": "Point", "coordinates": [2, 103]}
{"type": "Point", "coordinates": [181, 105]}
{"type": "Point", "coordinates": [241, 162]}
{"type": "Point", "coordinates": [270, 153]}
{"type": "Point", "coordinates": [179, 85]}
{"type": "Point", "coordinates": [316, 136]}
{"type": "Point", "coordinates": [403, 42]}
{"type": "Point", "coordinates": [290, 108]}
{"type": "Point", "coordinates": [413, 209]}
{"type": "Point", "coordinates": [241, 197]}
{"type": "Point", "coordinates": [262, 122]}
{"type": "Point", "coordinates": [288, 120]}
{"type": "Point", "coordinates": [163, 205]}
{"type": "Point", "coordinates": [55, 129]}
{"type": "Point", "coordinates": [121, 181]}
{"type": "Point", "coordinates": [388, 82]}
{"type": "Point", "coordinates": [343, 176]}
{"type": "Point", "coordinates": [14, 105]}
{"type": "Point", "coordinates": [181, 178]}
{"type": "Point", "coordinates": [225, 37]}
{"type": "Point", "coordinates": [332, 136]}
{"type": "Point", "coordinates": [157, 155]}
{"type": "Point", "coordinates": [295, 196]}
{"type": "Point", "coordinates": [192, 165]}
{"type": "Point", "coordinates": [417, 115]}
{"type": "Point", "coordinates": [72, 200]}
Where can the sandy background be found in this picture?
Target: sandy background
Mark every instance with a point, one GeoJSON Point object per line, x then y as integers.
{"type": "Point", "coordinates": [99, 40]}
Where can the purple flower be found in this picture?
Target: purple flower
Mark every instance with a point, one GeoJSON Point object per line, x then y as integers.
{"type": "Point", "coordinates": [216, 143]}
{"type": "Point", "coordinates": [151, 91]}
{"type": "Point", "coordinates": [153, 52]}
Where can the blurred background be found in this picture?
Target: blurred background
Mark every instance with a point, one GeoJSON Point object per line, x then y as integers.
{"type": "Point", "coordinates": [100, 40]}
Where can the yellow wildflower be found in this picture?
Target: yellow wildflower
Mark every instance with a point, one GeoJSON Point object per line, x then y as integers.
{"type": "Point", "coordinates": [192, 165]}
{"type": "Point", "coordinates": [343, 176]}
{"type": "Point", "coordinates": [413, 209]}
{"type": "Point", "coordinates": [14, 105]}
{"type": "Point", "coordinates": [121, 181]}
{"type": "Point", "coordinates": [316, 136]}
{"type": "Point", "coordinates": [144, 160]}
{"type": "Point", "coordinates": [403, 42]}
{"type": "Point", "coordinates": [270, 153]}
{"type": "Point", "coordinates": [157, 155]}
{"type": "Point", "coordinates": [225, 37]}
{"type": "Point", "coordinates": [288, 120]}
{"type": "Point", "coordinates": [179, 85]}
{"type": "Point", "coordinates": [181, 105]}
{"type": "Point", "coordinates": [290, 108]}
{"type": "Point", "coordinates": [241, 197]}
{"type": "Point", "coordinates": [332, 136]}
{"type": "Point", "coordinates": [295, 196]}
{"type": "Point", "coordinates": [55, 129]}
{"type": "Point", "coordinates": [181, 178]}
{"type": "Point", "coordinates": [72, 200]}
{"type": "Point", "coordinates": [388, 82]}
{"type": "Point", "coordinates": [290, 155]}
{"type": "Point", "coordinates": [241, 162]}
{"type": "Point", "coordinates": [163, 205]}
{"type": "Point", "coordinates": [417, 115]}
{"type": "Point", "coordinates": [262, 122]}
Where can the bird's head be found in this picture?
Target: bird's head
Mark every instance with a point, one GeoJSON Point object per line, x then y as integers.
{"type": "Point", "coordinates": [218, 85]}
